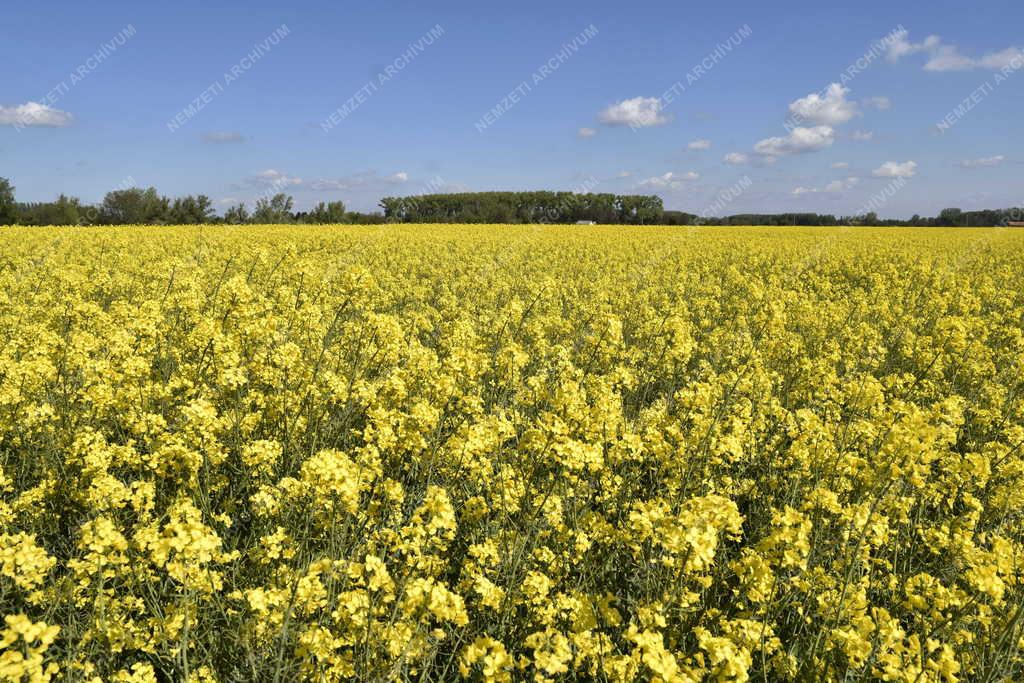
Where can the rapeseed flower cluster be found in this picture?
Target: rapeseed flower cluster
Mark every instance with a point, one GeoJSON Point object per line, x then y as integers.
{"type": "Point", "coordinates": [501, 454]}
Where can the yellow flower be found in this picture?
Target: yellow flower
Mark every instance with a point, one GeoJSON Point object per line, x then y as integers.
{"type": "Point", "coordinates": [23, 645]}
{"type": "Point", "coordinates": [510, 453]}
{"type": "Point", "coordinates": [262, 456]}
{"type": "Point", "coordinates": [551, 651]}
{"type": "Point", "coordinates": [23, 561]}
{"type": "Point", "coordinates": [495, 663]}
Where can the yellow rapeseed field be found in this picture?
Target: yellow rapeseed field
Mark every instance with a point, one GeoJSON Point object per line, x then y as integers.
{"type": "Point", "coordinates": [511, 454]}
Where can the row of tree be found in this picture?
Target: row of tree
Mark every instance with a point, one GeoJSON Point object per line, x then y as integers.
{"type": "Point", "coordinates": [136, 206]}
{"type": "Point", "coordinates": [523, 207]}
{"type": "Point", "coordinates": [947, 218]}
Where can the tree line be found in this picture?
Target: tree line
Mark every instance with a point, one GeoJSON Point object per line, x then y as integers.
{"type": "Point", "coordinates": [523, 207]}
{"type": "Point", "coordinates": [947, 218]}
{"type": "Point", "coordinates": [137, 206]}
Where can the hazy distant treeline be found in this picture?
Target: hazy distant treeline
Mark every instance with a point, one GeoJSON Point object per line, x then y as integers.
{"type": "Point", "coordinates": [947, 218]}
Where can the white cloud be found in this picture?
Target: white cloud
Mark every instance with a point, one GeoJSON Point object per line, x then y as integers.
{"type": "Point", "coordinates": [862, 135]}
{"type": "Point", "coordinates": [670, 180]}
{"type": "Point", "coordinates": [274, 178]}
{"type": "Point", "coordinates": [735, 158]}
{"type": "Point", "coordinates": [586, 132]}
{"type": "Point", "coordinates": [34, 114]}
{"type": "Point", "coordinates": [947, 57]}
{"type": "Point", "coordinates": [799, 141]}
{"type": "Point", "coordinates": [639, 112]}
{"type": "Point", "coordinates": [879, 102]}
{"type": "Point", "coordinates": [984, 162]}
{"type": "Point", "coordinates": [902, 47]}
{"type": "Point", "coordinates": [834, 187]}
{"type": "Point", "coordinates": [831, 110]}
{"type": "Point", "coordinates": [329, 185]}
{"type": "Point", "coordinates": [365, 179]}
{"type": "Point", "coordinates": [893, 169]}
{"type": "Point", "coordinates": [223, 137]}
{"type": "Point", "coordinates": [840, 185]}
{"type": "Point", "coordinates": [841, 164]}
{"type": "Point", "coordinates": [624, 174]}
{"type": "Point", "coordinates": [1012, 57]}
{"type": "Point", "coordinates": [699, 144]}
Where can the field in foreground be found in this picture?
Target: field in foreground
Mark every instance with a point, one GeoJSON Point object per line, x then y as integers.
{"type": "Point", "coordinates": [511, 453]}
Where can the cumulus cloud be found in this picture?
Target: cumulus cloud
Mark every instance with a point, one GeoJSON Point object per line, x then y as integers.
{"type": "Point", "coordinates": [985, 162]}
{"type": "Point", "coordinates": [830, 109]}
{"type": "Point", "coordinates": [862, 135]}
{"type": "Point", "coordinates": [639, 112]}
{"type": "Point", "coordinates": [586, 132]}
{"type": "Point", "coordinates": [841, 164]}
{"type": "Point", "coordinates": [893, 169]}
{"type": "Point", "coordinates": [223, 137]}
{"type": "Point", "coordinates": [34, 114]}
{"type": "Point", "coordinates": [948, 57]}
{"type": "Point", "coordinates": [699, 144]}
{"type": "Point", "coordinates": [799, 141]}
{"type": "Point", "coordinates": [670, 180]}
{"type": "Point", "coordinates": [735, 158]}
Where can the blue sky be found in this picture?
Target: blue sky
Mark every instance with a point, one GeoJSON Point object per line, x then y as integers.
{"type": "Point", "coordinates": [597, 119]}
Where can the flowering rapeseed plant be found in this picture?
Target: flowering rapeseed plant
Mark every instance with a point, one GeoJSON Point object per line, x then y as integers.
{"type": "Point", "coordinates": [511, 453]}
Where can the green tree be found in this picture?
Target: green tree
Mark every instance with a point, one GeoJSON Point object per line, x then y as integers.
{"type": "Point", "coordinates": [65, 211]}
{"type": "Point", "coordinates": [237, 215]}
{"type": "Point", "coordinates": [522, 207]}
{"type": "Point", "coordinates": [192, 210]}
{"type": "Point", "coordinates": [8, 209]}
{"type": "Point", "coordinates": [277, 209]}
{"type": "Point", "coordinates": [324, 214]}
{"type": "Point", "coordinates": [134, 207]}
{"type": "Point", "coordinates": [951, 217]}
